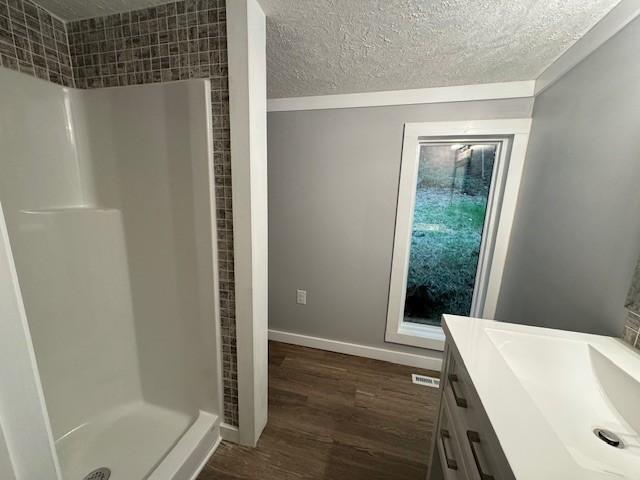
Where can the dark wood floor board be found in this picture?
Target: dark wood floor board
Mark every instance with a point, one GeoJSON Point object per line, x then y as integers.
{"type": "Point", "coordinates": [335, 417]}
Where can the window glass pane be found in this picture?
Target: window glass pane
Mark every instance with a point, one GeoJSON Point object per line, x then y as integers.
{"type": "Point", "coordinates": [451, 201]}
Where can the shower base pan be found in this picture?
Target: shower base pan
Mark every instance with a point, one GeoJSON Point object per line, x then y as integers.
{"type": "Point", "coordinates": [140, 441]}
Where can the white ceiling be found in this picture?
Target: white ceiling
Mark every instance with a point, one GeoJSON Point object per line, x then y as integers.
{"type": "Point", "coordinates": [317, 47]}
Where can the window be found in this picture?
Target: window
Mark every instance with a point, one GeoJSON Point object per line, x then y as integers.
{"type": "Point", "coordinates": [458, 187]}
{"type": "Point", "coordinates": [452, 190]}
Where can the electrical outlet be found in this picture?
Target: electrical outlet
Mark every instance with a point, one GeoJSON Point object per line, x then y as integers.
{"type": "Point", "coordinates": [301, 297]}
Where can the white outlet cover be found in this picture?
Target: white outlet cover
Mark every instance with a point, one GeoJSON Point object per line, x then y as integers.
{"type": "Point", "coordinates": [301, 297]}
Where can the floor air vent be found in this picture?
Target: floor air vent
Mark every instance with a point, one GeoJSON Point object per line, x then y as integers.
{"type": "Point", "coordinates": [425, 381]}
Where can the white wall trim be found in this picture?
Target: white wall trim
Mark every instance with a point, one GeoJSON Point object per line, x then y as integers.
{"type": "Point", "coordinates": [376, 353]}
{"type": "Point", "coordinates": [462, 93]}
{"type": "Point", "coordinates": [246, 35]}
{"type": "Point", "coordinates": [611, 24]}
{"type": "Point", "coordinates": [513, 135]}
{"type": "Point", "coordinates": [212, 230]}
{"type": "Point", "coordinates": [229, 433]}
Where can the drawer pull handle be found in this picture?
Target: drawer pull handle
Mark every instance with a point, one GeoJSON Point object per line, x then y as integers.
{"type": "Point", "coordinates": [474, 439]}
{"type": "Point", "coordinates": [460, 401]}
{"type": "Point", "coordinates": [451, 463]}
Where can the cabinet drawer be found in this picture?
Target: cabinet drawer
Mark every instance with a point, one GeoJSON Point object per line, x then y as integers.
{"type": "Point", "coordinates": [460, 394]}
{"type": "Point", "coordinates": [448, 446]}
{"type": "Point", "coordinates": [479, 446]}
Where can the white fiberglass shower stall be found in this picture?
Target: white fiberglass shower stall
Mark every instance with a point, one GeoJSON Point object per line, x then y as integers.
{"type": "Point", "coordinates": [108, 209]}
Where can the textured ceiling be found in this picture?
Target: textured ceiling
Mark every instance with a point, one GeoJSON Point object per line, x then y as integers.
{"type": "Point", "coordinates": [78, 9]}
{"type": "Point", "coordinates": [317, 47]}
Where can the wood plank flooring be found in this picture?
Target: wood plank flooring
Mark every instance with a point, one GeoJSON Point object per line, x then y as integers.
{"type": "Point", "coordinates": [335, 417]}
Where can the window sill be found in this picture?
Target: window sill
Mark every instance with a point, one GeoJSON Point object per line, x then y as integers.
{"type": "Point", "coordinates": [418, 335]}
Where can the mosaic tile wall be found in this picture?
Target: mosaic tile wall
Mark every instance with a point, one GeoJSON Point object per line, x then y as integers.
{"type": "Point", "coordinates": [632, 327]}
{"type": "Point", "coordinates": [34, 42]}
{"type": "Point", "coordinates": [175, 41]}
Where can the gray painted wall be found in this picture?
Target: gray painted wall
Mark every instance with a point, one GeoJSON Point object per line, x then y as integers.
{"type": "Point", "coordinates": [333, 184]}
{"type": "Point", "coordinates": [577, 233]}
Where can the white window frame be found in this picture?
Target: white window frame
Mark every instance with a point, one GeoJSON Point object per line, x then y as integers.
{"type": "Point", "coordinates": [507, 174]}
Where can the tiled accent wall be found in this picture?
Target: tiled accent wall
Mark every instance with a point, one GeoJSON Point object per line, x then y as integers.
{"type": "Point", "coordinates": [175, 41]}
{"type": "Point", "coordinates": [631, 332]}
{"type": "Point", "coordinates": [34, 42]}
{"type": "Point", "coordinates": [632, 329]}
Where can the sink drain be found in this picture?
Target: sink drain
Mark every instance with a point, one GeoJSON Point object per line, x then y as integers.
{"type": "Point", "coordinates": [99, 474]}
{"type": "Point", "coordinates": [608, 437]}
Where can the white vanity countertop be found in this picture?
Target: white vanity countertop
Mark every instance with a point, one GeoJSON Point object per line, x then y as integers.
{"type": "Point", "coordinates": [545, 391]}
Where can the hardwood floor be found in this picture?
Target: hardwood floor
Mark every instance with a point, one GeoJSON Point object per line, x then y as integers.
{"type": "Point", "coordinates": [335, 417]}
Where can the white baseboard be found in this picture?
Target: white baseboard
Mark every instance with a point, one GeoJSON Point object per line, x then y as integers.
{"type": "Point", "coordinates": [229, 433]}
{"type": "Point", "coordinates": [392, 356]}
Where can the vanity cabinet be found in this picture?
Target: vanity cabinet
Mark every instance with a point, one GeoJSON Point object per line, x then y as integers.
{"type": "Point", "coordinates": [535, 404]}
{"type": "Point", "coordinates": [464, 445]}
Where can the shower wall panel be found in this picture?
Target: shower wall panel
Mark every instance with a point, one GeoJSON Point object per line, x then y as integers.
{"type": "Point", "coordinates": [75, 282]}
{"type": "Point", "coordinates": [39, 161]}
{"type": "Point", "coordinates": [108, 202]}
{"type": "Point", "coordinates": [180, 40]}
{"type": "Point", "coordinates": [150, 157]}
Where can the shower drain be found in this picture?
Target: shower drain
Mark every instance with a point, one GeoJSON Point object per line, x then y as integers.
{"type": "Point", "coordinates": [608, 437]}
{"type": "Point", "coordinates": [99, 474]}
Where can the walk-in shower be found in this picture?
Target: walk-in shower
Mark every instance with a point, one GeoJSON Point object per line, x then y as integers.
{"type": "Point", "coordinates": [107, 199]}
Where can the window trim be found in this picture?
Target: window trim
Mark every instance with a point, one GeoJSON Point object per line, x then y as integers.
{"type": "Point", "coordinates": [514, 133]}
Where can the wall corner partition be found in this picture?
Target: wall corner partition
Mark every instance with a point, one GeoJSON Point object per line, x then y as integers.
{"type": "Point", "coordinates": [248, 114]}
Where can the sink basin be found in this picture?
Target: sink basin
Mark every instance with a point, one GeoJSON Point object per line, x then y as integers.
{"type": "Point", "coordinates": [579, 383]}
